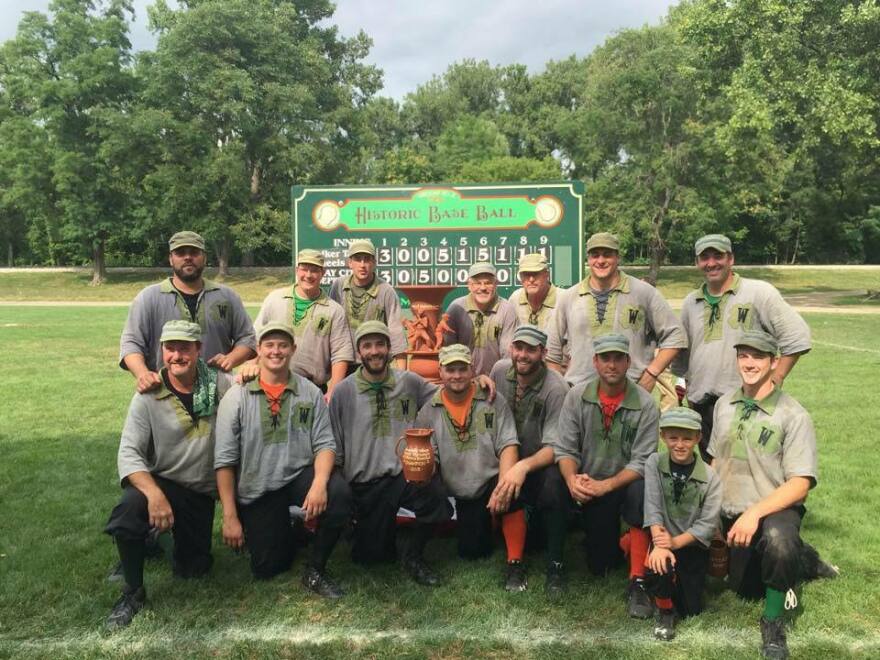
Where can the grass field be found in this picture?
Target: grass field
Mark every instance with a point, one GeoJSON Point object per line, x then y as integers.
{"type": "Point", "coordinates": [252, 284]}
{"type": "Point", "coordinates": [64, 402]}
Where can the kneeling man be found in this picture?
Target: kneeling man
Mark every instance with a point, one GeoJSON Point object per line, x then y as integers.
{"type": "Point", "coordinates": [275, 448]}
{"type": "Point", "coordinates": [165, 464]}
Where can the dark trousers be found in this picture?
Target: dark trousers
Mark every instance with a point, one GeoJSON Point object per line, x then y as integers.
{"type": "Point", "coordinates": [684, 583]}
{"type": "Point", "coordinates": [706, 408]}
{"type": "Point", "coordinates": [129, 525]}
{"type": "Point", "coordinates": [474, 531]}
{"type": "Point", "coordinates": [375, 515]}
{"type": "Point", "coordinates": [269, 535]}
{"type": "Point", "coordinates": [599, 518]}
{"type": "Point", "coordinates": [773, 559]}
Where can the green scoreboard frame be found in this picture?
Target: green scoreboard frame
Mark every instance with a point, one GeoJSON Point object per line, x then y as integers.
{"type": "Point", "coordinates": [430, 234]}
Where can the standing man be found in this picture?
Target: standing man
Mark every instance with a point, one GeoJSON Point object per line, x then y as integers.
{"type": "Point", "coordinates": [366, 297]}
{"type": "Point", "coordinates": [323, 342]}
{"type": "Point", "coordinates": [764, 451]}
{"type": "Point", "coordinates": [227, 331]}
{"type": "Point", "coordinates": [535, 395]}
{"type": "Point", "coordinates": [535, 302]}
{"type": "Point", "coordinates": [370, 410]}
{"type": "Point", "coordinates": [607, 428]}
{"type": "Point", "coordinates": [481, 320]}
{"type": "Point", "coordinates": [165, 464]}
{"type": "Point", "coordinates": [274, 449]}
{"type": "Point", "coordinates": [476, 445]}
{"type": "Point", "coordinates": [608, 301]}
{"type": "Point", "coordinates": [716, 315]}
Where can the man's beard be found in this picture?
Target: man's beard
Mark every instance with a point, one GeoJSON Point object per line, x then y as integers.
{"type": "Point", "coordinates": [372, 370]}
{"type": "Point", "coordinates": [183, 276]}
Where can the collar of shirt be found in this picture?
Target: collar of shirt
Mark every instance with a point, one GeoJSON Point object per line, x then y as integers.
{"type": "Point", "coordinates": [372, 290]}
{"type": "Point", "coordinates": [733, 289]}
{"type": "Point", "coordinates": [479, 395]}
{"type": "Point", "coordinates": [534, 386]}
{"type": "Point", "coordinates": [549, 299]}
{"type": "Point", "coordinates": [165, 286]}
{"type": "Point", "coordinates": [623, 285]}
{"type": "Point", "coordinates": [471, 306]}
{"type": "Point", "coordinates": [254, 386]}
{"type": "Point", "coordinates": [630, 400]}
{"type": "Point", "coordinates": [698, 474]}
{"type": "Point", "coordinates": [363, 385]}
{"type": "Point", "coordinates": [767, 404]}
{"type": "Point", "coordinates": [322, 299]}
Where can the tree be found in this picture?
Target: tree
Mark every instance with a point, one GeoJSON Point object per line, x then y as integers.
{"type": "Point", "coordinates": [63, 76]}
{"type": "Point", "coordinates": [254, 95]}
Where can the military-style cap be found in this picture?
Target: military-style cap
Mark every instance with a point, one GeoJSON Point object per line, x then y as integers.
{"type": "Point", "coordinates": [681, 418]}
{"type": "Point", "coordinates": [532, 263]}
{"type": "Point", "coordinates": [314, 257]}
{"type": "Point", "coordinates": [276, 326]}
{"type": "Point", "coordinates": [361, 246]}
{"type": "Point", "coordinates": [482, 268]}
{"type": "Point", "coordinates": [759, 340]}
{"type": "Point", "coordinates": [180, 331]}
{"type": "Point", "coordinates": [719, 242]}
{"type": "Point", "coordinates": [455, 353]}
{"type": "Point", "coordinates": [186, 239]}
{"type": "Point", "coordinates": [371, 328]}
{"type": "Point", "coordinates": [610, 343]}
{"type": "Point", "coordinates": [603, 240]}
{"type": "Point", "coordinates": [530, 334]}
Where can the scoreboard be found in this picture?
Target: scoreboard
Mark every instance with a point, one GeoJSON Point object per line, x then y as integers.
{"type": "Point", "coordinates": [431, 234]}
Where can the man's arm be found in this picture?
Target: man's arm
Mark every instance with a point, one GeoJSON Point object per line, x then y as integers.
{"type": "Point", "coordinates": [568, 468]}
{"type": "Point", "coordinates": [600, 487]}
{"type": "Point", "coordinates": [511, 481]}
{"type": "Point", "coordinates": [788, 494]}
{"type": "Point", "coordinates": [229, 361]}
{"type": "Point", "coordinates": [783, 368]}
{"type": "Point", "coordinates": [233, 535]}
{"type": "Point", "coordinates": [145, 380]}
{"type": "Point", "coordinates": [158, 507]}
{"type": "Point", "coordinates": [338, 372]}
{"type": "Point", "coordinates": [315, 502]}
{"type": "Point", "coordinates": [662, 359]}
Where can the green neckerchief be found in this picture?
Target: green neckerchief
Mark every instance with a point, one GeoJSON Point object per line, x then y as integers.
{"type": "Point", "coordinates": [357, 301]}
{"type": "Point", "coordinates": [300, 307]}
{"type": "Point", "coordinates": [749, 406]}
{"type": "Point", "coordinates": [714, 303]}
{"type": "Point", "coordinates": [205, 391]}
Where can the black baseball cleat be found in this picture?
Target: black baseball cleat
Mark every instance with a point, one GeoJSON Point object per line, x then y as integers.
{"type": "Point", "coordinates": [130, 603]}
{"type": "Point", "coordinates": [320, 583]}
{"type": "Point", "coordinates": [639, 605]}
{"type": "Point", "coordinates": [515, 576]}
{"type": "Point", "coordinates": [420, 572]}
{"type": "Point", "coordinates": [773, 644]}
{"type": "Point", "coordinates": [554, 583]}
{"type": "Point", "coordinates": [664, 625]}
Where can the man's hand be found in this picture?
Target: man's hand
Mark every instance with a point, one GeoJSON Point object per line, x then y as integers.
{"type": "Point", "coordinates": [510, 484]}
{"type": "Point", "coordinates": [497, 504]}
{"type": "Point", "coordinates": [576, 488]}
{"type": "Point", "coordinates": [659, 559]}
{"type": "Point", "coordinates": [222, 361]}
{"type": "Point", "coordinates": [743, 530]}
{"type": "Point", "coordinates": [247, 372]}
{"type": "Point", "coordinates": [233, 536]}
{"type": "Point", "coordinates": [159, 509]}
{"type": "Point", "coordinates": [647, 381]}
{"type": "Point", "coordinates": [148, 381]}
{"type": "Point", "coordinates": [316, 500]}
{"type": "Point", "coordinates": [661, 538]}
{"type": "Point", "coordinates": [595, 487]}
{"type": "Point", "coordinates": [486, 383]}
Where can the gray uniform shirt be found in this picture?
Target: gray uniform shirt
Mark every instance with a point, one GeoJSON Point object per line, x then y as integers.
{"type": "Point", "coordinates": [487, 334]}
{"type": "Point", "coordinates": [220, 313]}
{"type": "Point", "coordinates": [382, 304]}
{"type": "Point", "coordinates": [469, 461]}
{"type": "Point", "coordinates": [270, 452]}
{"type": "Point", "coordinates": [635, 309]}
{"type": "Point", "coordinates": [367, 423]}
{"type": "Point", "coordinates": [582, 437]}
{"type": "Point", "coordinates": [536, 412]}
{"type": "Point", "coordinates": [698, 507]}
{"type": "Point", "coordinates": [543, 317]}
{"type": "Point", "coordinates": [756, 452]}
{"type": "Point", "coordinates": [709, 364]}
{"type": "Point", "coordinates": [160, 437]}
{"type": "Point", "coordinates": [322, 336]}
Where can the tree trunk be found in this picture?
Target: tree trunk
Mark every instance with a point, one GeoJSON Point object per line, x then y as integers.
{"type": "Point", "coordinates": [656, 244]}
{"type": "Point", "coordinates": [9, 254]}
{"type": "Point", "coordinates": [797, 245]}
{"type": "Point", "coordinates": [223, 258]}
{"type": "Point", "coordinates": [99, 267]}
{"type": "Point", "coordinates": [247, 257]}
{"type": "Point", "coordinates": [658, 255]}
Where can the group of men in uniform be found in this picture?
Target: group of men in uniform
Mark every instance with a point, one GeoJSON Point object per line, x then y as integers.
{"type": "Point", "coordinates": [543, 419]}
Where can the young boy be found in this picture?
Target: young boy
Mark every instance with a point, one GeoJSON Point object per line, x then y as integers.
{"type": "Point", "coordinates": [682, 508]}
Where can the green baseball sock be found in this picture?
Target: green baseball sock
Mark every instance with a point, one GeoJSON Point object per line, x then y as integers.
{"type": "Point", "coordinates": [774, 604]}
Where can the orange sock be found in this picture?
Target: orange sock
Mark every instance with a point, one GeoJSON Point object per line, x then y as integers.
{"type": "Point", "coordinates": [639, 540]}
{"type": "Point", "coordinates": [513, 526]}
{"type": "Point", "coordinates": [664, 603]}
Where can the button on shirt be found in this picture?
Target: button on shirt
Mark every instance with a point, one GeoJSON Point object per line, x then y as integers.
{"type": "Point", "coordinates": [758, 450]}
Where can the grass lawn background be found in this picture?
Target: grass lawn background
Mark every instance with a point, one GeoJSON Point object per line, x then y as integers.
{"type": "Point", "coordinates": [63, 405]}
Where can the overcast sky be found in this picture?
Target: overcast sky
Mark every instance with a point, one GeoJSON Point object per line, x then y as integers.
{"type": "Point", "coordinates": [414, 40]}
